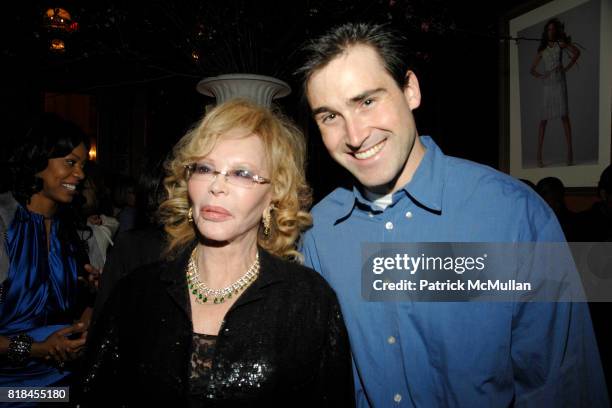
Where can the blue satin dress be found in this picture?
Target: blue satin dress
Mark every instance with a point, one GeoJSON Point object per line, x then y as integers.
{"type": "Point", "coordinates": [38, 294]}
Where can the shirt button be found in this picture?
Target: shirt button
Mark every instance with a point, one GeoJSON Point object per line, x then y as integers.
{"type": "Point", "coordinates": [391, 340]}
{"type": "Point", "coordinates": [409, 214]}
{"type": "Point", "coordinates": [389, 225]}
{"type": "Point", "coordinates": [397, 398]}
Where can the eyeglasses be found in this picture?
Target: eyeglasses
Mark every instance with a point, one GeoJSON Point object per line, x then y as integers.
{"type": "Point", "coordinates": [236, 177]}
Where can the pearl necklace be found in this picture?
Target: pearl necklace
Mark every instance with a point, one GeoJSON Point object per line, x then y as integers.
{"type": "Point", "coordinates": [203, 293]}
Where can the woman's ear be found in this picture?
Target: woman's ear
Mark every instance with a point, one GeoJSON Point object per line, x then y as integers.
{"type": "Point", "coordinates": [268, 210]}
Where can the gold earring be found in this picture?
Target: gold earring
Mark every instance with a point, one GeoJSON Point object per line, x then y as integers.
{"type": "Point", "coordinates": [190, 215]}
{"type": "Point", "coordinates": [267, 221]}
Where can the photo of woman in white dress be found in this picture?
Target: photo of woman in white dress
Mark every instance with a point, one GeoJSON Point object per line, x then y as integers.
{"type": "Point", "coordinates": [553, 45]}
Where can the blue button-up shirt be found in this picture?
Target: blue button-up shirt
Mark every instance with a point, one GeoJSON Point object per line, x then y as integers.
{"type": "Point", "coordinates": [454, 354]}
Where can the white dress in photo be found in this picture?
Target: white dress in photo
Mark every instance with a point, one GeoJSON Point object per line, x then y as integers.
{"type": "Point", "coordinates": [554, 98]}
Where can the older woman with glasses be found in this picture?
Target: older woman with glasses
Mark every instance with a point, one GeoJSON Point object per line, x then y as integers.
{"type": "Point", "coordinates": [228, 318]}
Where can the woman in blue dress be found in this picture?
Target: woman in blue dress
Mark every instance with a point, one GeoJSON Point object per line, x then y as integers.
{"type": "Point", "coordinates": [41, 256]}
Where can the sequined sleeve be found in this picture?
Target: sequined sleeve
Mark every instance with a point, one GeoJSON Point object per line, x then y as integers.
{"type": "Point", "coordinates": [335, 381]}
{"type": "Point", "coordinates": [101, 367]}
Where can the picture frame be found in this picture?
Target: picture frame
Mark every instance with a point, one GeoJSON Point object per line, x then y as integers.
{"type": "Point", "coordinates": [525, 101]}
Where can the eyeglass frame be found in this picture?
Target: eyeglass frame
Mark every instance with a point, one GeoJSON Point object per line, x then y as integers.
{"type": "Point", "coordinates": [257, 179]}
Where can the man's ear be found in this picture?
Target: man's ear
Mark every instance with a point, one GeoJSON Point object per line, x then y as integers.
{"type": "Point", "coordinates": [412, 92]}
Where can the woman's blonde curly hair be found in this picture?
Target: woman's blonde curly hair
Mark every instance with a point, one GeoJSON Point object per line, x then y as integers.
{"type": "Point", "coordinates": [285, 151]}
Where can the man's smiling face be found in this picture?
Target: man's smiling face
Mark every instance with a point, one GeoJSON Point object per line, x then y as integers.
{"type": "Point", "coordinates": [365, 118]}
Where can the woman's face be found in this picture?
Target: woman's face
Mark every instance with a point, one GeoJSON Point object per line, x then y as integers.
{"type": "Point", "coordinates": [223, 211]}
{"type": "Point", "coordinates": [63, 174]}
{"type": "Point", "coordinates": [551, 32]}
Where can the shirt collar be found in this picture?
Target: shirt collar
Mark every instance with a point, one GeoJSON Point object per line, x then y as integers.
{"type": "Point", "coordinates": [425, 189]}
{"type": "Point", "coordinates": [427, 184]}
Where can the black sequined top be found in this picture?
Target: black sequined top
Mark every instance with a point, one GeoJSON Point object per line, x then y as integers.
{"type": "Point", "coordinates": [282, 343]}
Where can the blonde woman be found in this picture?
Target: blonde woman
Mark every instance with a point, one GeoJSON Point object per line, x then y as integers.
{"type": "Point", "coordinates": [229, 317]}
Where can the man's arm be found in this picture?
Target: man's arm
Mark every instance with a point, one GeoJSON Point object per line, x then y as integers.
{"type": "Point", "coordinates": [308, 248]}
{"type": "Point", "coordinates": [554, 353]}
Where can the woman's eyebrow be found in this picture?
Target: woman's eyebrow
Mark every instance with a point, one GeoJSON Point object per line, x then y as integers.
{"type": "Point", "coordinates": [237, 163]}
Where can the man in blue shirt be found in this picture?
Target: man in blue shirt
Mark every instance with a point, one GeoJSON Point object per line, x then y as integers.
{"type": "Point", "coordinates": [430, 354]}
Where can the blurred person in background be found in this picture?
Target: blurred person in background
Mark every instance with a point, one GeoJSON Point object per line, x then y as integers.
{"type": "Point", "coordinates": [124, 202]}
{"type": "Point", "coordinates": [596, 222]}
{"type": "Point", "coordinates": [552, 190]}
{"type": "Point", "coordinates": [142, 245]}
{"type": "Point", "coordinates": [101, 226]}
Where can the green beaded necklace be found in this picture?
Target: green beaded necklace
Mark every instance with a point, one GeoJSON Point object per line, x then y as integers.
{"type": "Point", "coordinates": [203, 294]}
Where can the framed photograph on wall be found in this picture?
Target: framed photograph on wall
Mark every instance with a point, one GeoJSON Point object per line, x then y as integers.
{"type": "Point", "coordinates": [559, 91]}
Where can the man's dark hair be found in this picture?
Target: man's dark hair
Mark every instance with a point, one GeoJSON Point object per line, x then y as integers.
{"type": "Point", "coordinates": [551, 187]}
{"type": "Point", "coordinates": [150, 192]}
{"type": "Point", "coordinates": [388, 44]}
{"type": "Point", "coordinates": [605, 180]}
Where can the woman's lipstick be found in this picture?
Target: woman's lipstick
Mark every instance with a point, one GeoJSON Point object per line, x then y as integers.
{"type": "Point", "coordinates": [214, 213]}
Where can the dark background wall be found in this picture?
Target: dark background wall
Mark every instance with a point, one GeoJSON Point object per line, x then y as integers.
{"type": "Point", "coordinates": [129, 71]}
